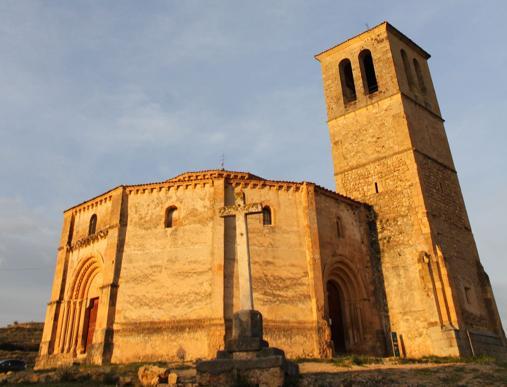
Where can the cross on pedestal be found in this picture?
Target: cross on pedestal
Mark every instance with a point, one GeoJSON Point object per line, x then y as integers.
{"type": "Point", "coordinates": [246, 355]}
{"type": "Point", "coordinates": [240, 210]}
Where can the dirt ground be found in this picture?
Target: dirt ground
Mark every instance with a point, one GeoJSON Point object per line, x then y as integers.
{"type": "Point", "coordinates": [314, 373]}
{"type": "Point", "coordinates": [21, 341]}
{"type": "Point", "coordinates": [430, 374]}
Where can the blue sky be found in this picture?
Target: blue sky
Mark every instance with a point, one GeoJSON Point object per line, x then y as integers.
{"type": "Point", "coordinates": [95, 94]}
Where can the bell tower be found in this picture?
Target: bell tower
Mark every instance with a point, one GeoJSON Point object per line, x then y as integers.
{"type": "Point", "coordinates": [390, 150]}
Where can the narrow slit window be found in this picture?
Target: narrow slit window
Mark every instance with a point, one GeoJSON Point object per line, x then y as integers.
{"type": "Point", "coordinates": [92, 227]}
{"type": "Point", "coordinates": [169, 217]}
{"type": "Point", "coordinates": [419, 75]}
{"type": "Point", "coordinates": [468, 294]}
{"type": "Point", "coordinates": [339, 227]}
{"type": "Point", "coordinates": [368, 72]}
{"type": "Point", "coordinates": [376, 187]}
{"type": "Point", "coordinates": [266, 216]}
{"type": "Point", "coordinates": [347, 81]}
{"type": "Point", "coordinates": [408, 70]}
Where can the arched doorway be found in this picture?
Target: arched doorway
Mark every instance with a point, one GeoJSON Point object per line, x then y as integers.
{"type": "Point", "coordinates": [91, 302]}
{"type": "Point", "coordinates": [346, 301]}
{"type": "Point", "coordinates": [80, 308]}
{"type": "Point", "coordinates": [336, 316]}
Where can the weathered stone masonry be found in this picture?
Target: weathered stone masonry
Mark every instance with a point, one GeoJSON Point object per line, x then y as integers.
{"type": "Point", "coordinates": [390, 150]}
{"type": "Point", "coordinates": [149, 272]}
{"type": "Point", "coordinates": [169, 293]}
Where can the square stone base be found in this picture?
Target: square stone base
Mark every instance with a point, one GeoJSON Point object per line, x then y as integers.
{"type": "Point", "coordinates": [247, 359]}
{"type": "Point", "coordinates": [268, 371]}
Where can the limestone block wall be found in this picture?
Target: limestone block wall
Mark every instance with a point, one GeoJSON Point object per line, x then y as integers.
{"type": "Point", "coordinates": [163, 310]}
{"type": "Point", "coordinates": [280, 276]}
{"type": "Point", "coordinates": [402, 234]}
{"type": "Point", "coordinates": [454, 241]}
{"type": "Point", "coordinates": [349, 262]}
{"type": "Point", "coordinates": [390, 150]}
{"type": "Point", "coordinates": [83, 262]}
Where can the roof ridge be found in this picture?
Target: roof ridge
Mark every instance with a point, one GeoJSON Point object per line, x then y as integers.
{"type": "Point", "coordinates": [213, 173]}
{"type": "Point", "coordinates": [389, 27]}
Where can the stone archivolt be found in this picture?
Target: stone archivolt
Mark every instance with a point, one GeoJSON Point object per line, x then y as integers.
{"type": "Point", "coordinates": [90, 239]}
{"type": "Point", "coordinates": [71, 311]}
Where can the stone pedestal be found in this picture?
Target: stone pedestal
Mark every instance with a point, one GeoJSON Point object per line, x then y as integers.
{"type": "Point", "coordinates": [247, 358]}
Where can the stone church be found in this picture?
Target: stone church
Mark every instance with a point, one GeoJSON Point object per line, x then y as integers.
{"type": "Point", "coordinates": [386, 265]}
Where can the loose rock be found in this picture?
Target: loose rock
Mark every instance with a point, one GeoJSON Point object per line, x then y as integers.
{"type": "Point", "coordinates": [152, 375]}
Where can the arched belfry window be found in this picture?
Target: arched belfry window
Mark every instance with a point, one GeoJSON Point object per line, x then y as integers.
{"type": "Point", "coordinates": [368, 72]}
{"type": "Point", "coordinates": [408, 70]}
{"type": "Point", "coordinates": [419, 75]}
{"type": "Point", "coordinates": [347, 81]}
{"type": "Point", "coordinates": [339, 227]}
{"type": "Point", "coordinates": [266, 216]}
{"type": "Point", "coordinates": [169, 217]}
{"type": "Point", "coordinates": [92, 226]}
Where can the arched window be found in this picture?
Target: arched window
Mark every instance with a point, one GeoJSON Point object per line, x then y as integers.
{"type": "Point", "coordinates": [368, 72]}
{"type": "Point", "coordinates": [71, 231]}
{"type": "Point", "coordinates": [339, 227]}
{"type": "Point", "coordinates": [266, 216]}
{"type": "Point", "coordinates": [419, 75]}
{"type": "Point", "coordinates": [92, 227]}
{"type": "Point", "coordinates": [408, 70]}
{"type": "Point", "coordinates": [169, 216]}
{"type": "Point", "coordinates": [347, 81]}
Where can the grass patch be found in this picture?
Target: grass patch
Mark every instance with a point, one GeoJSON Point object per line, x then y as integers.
{"type": "Point", "coordinates": [482, 359]}
{"type": "Point", "coordinates": [430, 360]}
{"type": "Point", "coordinates": [311, 360]}
{"type": "Point", "coordinates": [358, 360]}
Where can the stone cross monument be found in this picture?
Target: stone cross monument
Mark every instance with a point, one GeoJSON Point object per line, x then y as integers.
{"type": "Point", "coordinates": [247, 355]}
{"type": "Point", "coordinates": [247, 328]}
{"type": "Point", "coordinates": [240, 210]}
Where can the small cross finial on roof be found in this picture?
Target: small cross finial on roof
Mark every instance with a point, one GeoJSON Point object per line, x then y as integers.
{"type": "Point", "coordinates": [222, 162]}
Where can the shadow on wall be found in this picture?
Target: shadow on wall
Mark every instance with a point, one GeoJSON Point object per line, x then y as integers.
{"type": "Point", "coordinates": [229, 262]}
{"type": "Point", "coordinates": [109, 337]}
{"type": "Point", "coordinates": [378, 276]}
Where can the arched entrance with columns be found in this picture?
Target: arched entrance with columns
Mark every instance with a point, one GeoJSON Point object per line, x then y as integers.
{"type": "Point", "coordinates": [81, 307]}
{"type": "Point", "coordinates": [345, 303]}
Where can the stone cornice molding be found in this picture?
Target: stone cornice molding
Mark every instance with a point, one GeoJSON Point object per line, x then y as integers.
{"type": "Point", "coordinates": [202, 179]}
{"type": "Point", "coordinates": [93, 202]}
